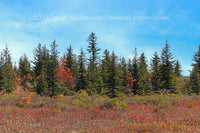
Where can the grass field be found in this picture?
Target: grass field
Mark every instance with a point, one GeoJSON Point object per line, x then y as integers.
{"type": "Point", "coordinates": [92, 114]}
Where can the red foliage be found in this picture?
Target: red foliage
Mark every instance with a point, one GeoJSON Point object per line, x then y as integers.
{"type": "Point", "coordinates": [131, 79]}
{"type": "Point", "coordinates": [64, 74]}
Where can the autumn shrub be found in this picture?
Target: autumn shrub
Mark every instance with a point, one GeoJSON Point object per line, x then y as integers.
{"type": "Point", "coordinates": [120, 105]}
{"type": "Point", "coordinates": [108, 103]}
{"type": "Point", "coordinates": [39, 101]}
{"type": "Point", "coordinates": [98, 100]}
{"type": "Point", "coordinates": [62, 106]}
{"type": "Point", "coordinates": [122, 97]}
{"type": "Point", "coordinates": [162, 106]}
{"type": "Point", "coordinates": [190, 105]}
{"type": "Point", "coordinates": [9, 98]}
{"type": "Point", "coordinates": [82, 99]}
{"type": "Point", "coordinates": [19, 104]}
{"type": "Point", "coordinates": [155, 100]}
{"type": "Point", "coordinates": [175, 99]}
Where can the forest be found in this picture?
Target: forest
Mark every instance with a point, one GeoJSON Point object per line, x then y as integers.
{"type": "Point", "coordinates": [76, 94]}
{"type": "Point", "coordinates": [106, 74]}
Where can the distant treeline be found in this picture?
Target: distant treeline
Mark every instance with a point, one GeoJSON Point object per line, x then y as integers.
{"type": "Point", "coordinates": [106, 74]}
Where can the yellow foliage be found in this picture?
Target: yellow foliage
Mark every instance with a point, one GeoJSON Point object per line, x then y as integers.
{"type": "Point", "coordinates": [61, 95]}
{"type": "Point", "coordinates": [26, 99]}
{"type": "Point", "coordinates": [1, 92]}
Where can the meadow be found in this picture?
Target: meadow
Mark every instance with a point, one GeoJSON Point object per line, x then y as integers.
{"type": "Point", "coordinates": [29, 113]}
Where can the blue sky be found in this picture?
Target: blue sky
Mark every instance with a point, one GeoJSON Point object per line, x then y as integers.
{"type": "Point", "coordinates": [119, 25]}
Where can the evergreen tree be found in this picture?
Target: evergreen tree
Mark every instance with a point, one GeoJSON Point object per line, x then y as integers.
{"type": "Point", "coordinates": [82, 81]}
{"type": "Point", "coordinates": [135, 72]}
{"type": "Point", "coordinates": [41, 64]}
{"type": "Point", "coordinates": [106, 72]}
{"type": "Point", "coordinates": [24, 66]}
{"type": "Point", "coordinates": [124, 72]}
{"type": "Point", "coordinates": [156, 75]}
{"type": "Point", "coordinates": [70, 61]}
{"type": "Point", "coordinates": [93, 85]}
{"type": "Point", "coordinates": [114, 77]}
{"type": "Point", "coordinates": [144, 87]}
{"type": "Point", "coordinates": [110, 74]}
{"type": "Point", "coordinates": [195, 74]}
{"type": "Point", "coordinates": [52, 70]}
{"type": "Point", "coordinates": [7, 77]}
{"type": "Point", "coordinates": [195, 81]}
{"type": "Point", "coordinates": [177, 69]}
{"type": "Point", "coordinates": [2, 74]}
{"type": "Point", "coordinates": [37, 63]}
{"type": "Point", "coordinates": [42, 84]}
{"type": "Point", "coordinates": [167, 74]}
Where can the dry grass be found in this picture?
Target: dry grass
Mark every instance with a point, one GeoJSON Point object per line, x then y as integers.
{"type": "Point", "coordinates": [142, 114]}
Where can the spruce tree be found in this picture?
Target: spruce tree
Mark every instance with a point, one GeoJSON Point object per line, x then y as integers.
{"type": "Point", "coordinates": [167, 74]}
{"type": "Point", "coordinates": [52, 70]}
{"type": "Point", "coordinates": [114, 77]}
{"type": "Point", "coordinates": [41, 64]}
{"type": "Point", "coordinates": [7, 77]}
{"type": "Point", "coordinates": [24, 66]}
{"type": "Point", "coordinates": [82, 81]}
{"type": "Point", "coordinates": [195, 74]}
{"type": "Point", "coordinates": [144, 87]}
{"type": "Point", "coordinates": [70, 61]}
{"type": "Point", "coordinates": [177, 69]}
{"type": "Point", "coordinates": [93, 85]}
{"type": "Point", "coordinates": [106, 72]}
{"type": "Point", "coordinates": [2, 74]}
{"type": "Point", "coordinates": [135, 72]}
{"type": "Point", "coordinates": [156, 74]}
{"type": "Point", "coordinates": [37, 63]}
{"type": "Point", "coordinates": [124, 72]}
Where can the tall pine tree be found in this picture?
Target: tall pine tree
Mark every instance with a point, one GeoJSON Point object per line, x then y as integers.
{"type": "Point", "coordinates": [167, 73]}
{"type": "Point", "coordinates": [156, 74]}
{"type": "Point", "coordinates": [134, 72]}
{"type": "Point", "coordinates": [195, 74]}
{"type": "Point", "coordinates": [177, 69]}
{"type": "Point", "coordinates": [144, 86]}
{"type": "Point", "coordinates": [7, 77]}
{"type": "Point", "coordinates": [24, 66]}
{"type": "Point", "coordinates": [82, 77]}
{"type": "Point", "coordinates": [52, 70]}
{"type": "Point", "coordinates": [93, 85]}
{"type": "Point", "coordinates": [41, 64]}
{"type": "Point", "coordinates": [124, 72]}
{"type": "Point", "coordinates": [114, 78]}
{"type": "Point", "coordinates": [106, 72]}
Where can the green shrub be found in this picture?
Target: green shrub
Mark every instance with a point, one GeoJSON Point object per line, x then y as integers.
{"type": "Point", "coordinates": [40, 101]}
{"type": "Point", "coordinates": [9, 98]}
{"type": "Point", "coordinates": [153, 100]}
{"type": "Point", "coordinates": [107, 103]}
{"type": "Point", "coordinates": [19, 104]}
{"type": "Point", "coordinates": [62, 106]}
{"type": "Point", "coordinates": [120, 105]}
{"type": "Point", "coordinates": [162, 106]}
{"type": "Point", "coordinates": [82, 99]}
{"type": "Point", "coordinates": [190, 105]}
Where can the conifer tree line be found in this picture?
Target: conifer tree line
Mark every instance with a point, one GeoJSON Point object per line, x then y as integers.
{"type": "Point", "coordinates": [105, 74]}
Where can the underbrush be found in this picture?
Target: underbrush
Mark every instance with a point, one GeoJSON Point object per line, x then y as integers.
{"type": "Point", "coordinates": [83, 100]}
{"type": "Point", "coordinates": [97, 113]}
